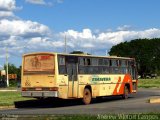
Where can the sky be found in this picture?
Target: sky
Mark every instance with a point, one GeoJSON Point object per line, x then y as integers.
{"type": "Point", "coordinates": [92, 26]}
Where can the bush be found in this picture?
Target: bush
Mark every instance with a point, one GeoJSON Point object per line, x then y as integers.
{"type": "Point", "coordinates": [12, 83]}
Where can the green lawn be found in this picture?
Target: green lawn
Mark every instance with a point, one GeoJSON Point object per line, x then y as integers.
{"type": "Point", "coordinates": [8, 98]}
{"type": "Point", "coordinates": [149, 83]}
{"type": "Point", "coordinates": [139, 116]}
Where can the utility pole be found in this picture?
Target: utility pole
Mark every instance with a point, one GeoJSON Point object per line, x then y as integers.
{"type": "Point", "coordinates": [65, 44]}
{"type": "Point", "coordinates": [7, 66]}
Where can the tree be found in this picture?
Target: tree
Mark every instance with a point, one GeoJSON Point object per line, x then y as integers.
{"type": "Point", "coordinates": [145, 51]}
{"type": "Point", "coordinates": [79, 52]}
{"type": "Point", "coordinates": [12, 69]}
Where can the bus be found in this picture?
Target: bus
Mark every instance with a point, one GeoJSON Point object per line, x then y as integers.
{"type": "Point", "coordinates": [69, 76]}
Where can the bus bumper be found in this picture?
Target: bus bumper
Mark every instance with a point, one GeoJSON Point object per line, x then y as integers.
{"type": "Point", "coordinates": [39, 93]}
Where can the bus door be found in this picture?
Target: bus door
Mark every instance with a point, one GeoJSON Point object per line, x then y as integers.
{"type": "Point", "coordinates": [72, 68]}
{"type": "Point", "coordinates": [132, 70]}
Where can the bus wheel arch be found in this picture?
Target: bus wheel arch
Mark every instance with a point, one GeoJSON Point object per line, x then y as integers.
{"type": "Point", "coordinates": [126, 91]}
{"type": "Point", "coordinates": [87, 95]}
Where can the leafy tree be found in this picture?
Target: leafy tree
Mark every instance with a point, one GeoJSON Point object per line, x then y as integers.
{"type": "Point", "coordinates": [79, 52]}
{"type": "Point", "coordinates": [12, 69]}
{"type": "Point", "coordinates": [145, 51]}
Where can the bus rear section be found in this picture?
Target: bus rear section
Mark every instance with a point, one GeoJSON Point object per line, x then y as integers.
{"type": "Point", "coordinates": [38, 76]}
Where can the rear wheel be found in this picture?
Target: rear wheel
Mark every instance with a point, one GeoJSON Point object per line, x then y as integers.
{"type": "Point", "coordinates": [87, 96]}
{"type": "Point", "coordinates": [126, 93]}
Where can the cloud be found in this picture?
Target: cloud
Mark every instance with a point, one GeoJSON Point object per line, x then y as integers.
{"type": "Point", "coordinates": [20, 35]}
{"type": "Point", "coordinates": [85, 34]}
{"type": "Point", "coordinates": [7, 7]}
{"type": "Point", "coordinates": [3, 56]}
{"type": "Point", "coordinates": [124, 28]}
{"type": "Point", "coordinates": [28, 34]}
{"type": "Point", "coordinates": [4, 14]}
{"type": "Point", "coordinates": [105, 40]}
{"type": "Point", "coordinates": [40, 2]}
{"type": "Point", "coordinates": [1, 67]}
{"type": "Point", "coordinates": [24, 29]}
{"type": "Point", "coordinates": [44, 2]}
{"type": "Point", "coordinates": [59, 1]}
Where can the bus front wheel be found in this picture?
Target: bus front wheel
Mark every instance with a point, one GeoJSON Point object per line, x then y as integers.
{"type": "Point", "coordinates": [87, 96]}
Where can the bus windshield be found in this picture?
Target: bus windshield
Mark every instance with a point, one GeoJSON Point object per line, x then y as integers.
{"type": "Point", "coordinates": [39, 63]}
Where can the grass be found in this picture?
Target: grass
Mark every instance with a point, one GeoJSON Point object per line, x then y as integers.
{"type": "Point", "coordinates": [8, 98]}
{"type": "Point", "coordinates": [149, 83]}
{"type": "Point", "coordinates": [140, 116]}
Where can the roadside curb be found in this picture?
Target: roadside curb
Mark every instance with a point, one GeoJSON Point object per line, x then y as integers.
{"type": "Point", "coordinates": [7, 107]}
{"type": "Point", "coordinates": [8, 90]}
{"type": "Point", "coordinates": [154, 100]}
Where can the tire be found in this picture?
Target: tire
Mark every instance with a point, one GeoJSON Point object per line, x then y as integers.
{"type": "Point", "coordinates": [87, 96]}
{"type": "Point", "coordinates": [126, 93]}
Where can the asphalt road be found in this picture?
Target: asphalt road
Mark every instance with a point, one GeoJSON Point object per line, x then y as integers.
{"type": "Point", "coordinates": [134, 104]}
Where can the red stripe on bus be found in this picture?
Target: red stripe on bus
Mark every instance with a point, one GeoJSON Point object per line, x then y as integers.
{"type": "Point", "coordinates": [115, 90]}
{"type": "Point", "coordinates": [127, 79]}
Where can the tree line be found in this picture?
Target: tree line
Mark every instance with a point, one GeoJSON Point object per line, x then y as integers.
{"type": "Point", "coordinates": [145, 51]}
{"type": "Point", "coordinates": [12, 69]}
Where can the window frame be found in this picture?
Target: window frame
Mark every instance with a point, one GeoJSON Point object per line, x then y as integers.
{"type": "Point", "coordinates": [62, 65]}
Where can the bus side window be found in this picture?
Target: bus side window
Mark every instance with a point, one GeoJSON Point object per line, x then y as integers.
{"type": "Point", "coordinates": [110, 62]}
{"type": "Point", "coordinates": [94, 62]}
{"type": "Point", "coordinates": [61, 60]}
{"type": "Point", "coordinates": [123, 63]}
{"type": "Point", "coordinates": [123, 66]}
{"type": "Point", "coordinates": [61, 65]}
{"type": "Point", "coordinates": [81, 61]}
{"type": "Point", "coordinates": [88, 61]}
{"type": "Point", "coordinates": [81, 65]}
{"type": "Point", "coordinates": [114, 63]}
{"type": "Point", "coordinates": [114, 66]}
{"type": "Point", "coordinates": [106, 62]}
{"type": "Point", "coordinates": [119, 63]}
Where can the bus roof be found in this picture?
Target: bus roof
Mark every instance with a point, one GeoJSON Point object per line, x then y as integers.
{"type": "Point", "coordinates": [82, 55]}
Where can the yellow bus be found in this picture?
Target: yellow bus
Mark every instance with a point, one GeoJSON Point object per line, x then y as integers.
{"type": "Point", "coordinates": [69, 76]}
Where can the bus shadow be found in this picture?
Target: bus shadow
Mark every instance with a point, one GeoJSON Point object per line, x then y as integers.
{"type": "Point", "coordinates": [55, 103]}
{"type": "Point", "coordinates": [47, 103]}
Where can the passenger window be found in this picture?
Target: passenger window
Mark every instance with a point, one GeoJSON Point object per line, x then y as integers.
{"type": "Point", "coordinates": [61, 60]}
{"type": "Point", "coordinates": [114, 63]}
{"type": "Point", "coordinates": [94, 62]}
{"type": "Point", "coordinates": [61, 65]}
{"type": "Point", "coordinates": [81, 61]}
{"type": "Point", "coordinates": [100, 62]}
{"type": "Point", "coordinates": [88, 61]}
{"type": "Point", "coordinates": [104, 62]}
{"type": "Point", "coordinates": [123, 63]}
